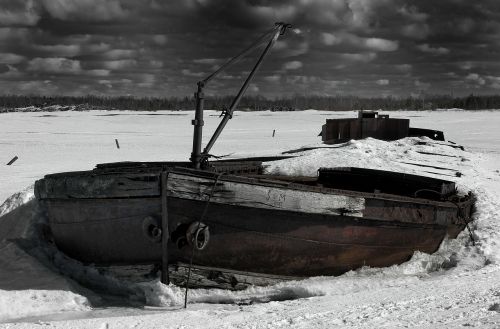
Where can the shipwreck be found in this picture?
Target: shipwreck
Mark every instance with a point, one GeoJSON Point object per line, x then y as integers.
{"type": "Point", "coordinates": [227, 216]}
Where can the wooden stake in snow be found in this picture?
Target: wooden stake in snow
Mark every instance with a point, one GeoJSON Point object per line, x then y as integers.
{"type": "Point", "coordinates": [12, 161]}
{"type": "Point", "coordinates": [274, 132]}
{"type": "Point", "coordinates": [117, 144]}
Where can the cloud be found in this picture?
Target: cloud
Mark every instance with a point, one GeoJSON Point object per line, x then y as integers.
{"type": "Point", "coordinates": [54, 65]}
{"type": "Point", "coordinates": [359, 57]}
{"type": "Point", "coordinates": [403, 67]}
{"type": "Point", "coordinates": [156, 64]}
{"type": "Point", "coordinates": [206, 61]}
{"type": "Point", "coordinates": [272, 78]}
{"type": "Point", "coordinates": [8, 58]}
{"type": "Point", "coordinates": [416, 31]}
{"type": "Point", "coordinates": [374, 44]}
{"type": "Point", "coordinates": [466, 25]}
{"type": "Point", "coordinates": [422, 85]}
{"type": "Point", "coordinates": [245, 14]}
{"type": "Point", "coordinates": [146, 80]}
{"type": "Point", "coordinates": [358, 42]}
{"type": "Point", "coordinates": [60, 50]}
{"type": "Point", "coordinates": [253, 88]}
{"type": "Point", "coordinates": [85, 10]}
{"type": "Point", "coordinates": [466, 65]}
{"type": "Point", "coordinates": [120, 54]}
{"type": "Point", "coordinates": [494, 81]}
{"type": "Point", "coordinates": [330, 39]}
{"type": "Point", "coordinates": [12, 72]}
{"type": "Point", "coordinates": [188, 73]}
{"type": "Point", "coordinates": [14, 33]}
{"type": "Point", "coordinates": [98, 73]}
{"type": "Point", "coordinates": [37, 87]}
{"type": "Point", "coordinates": [363, 11]}
{"type": "Point", "coordinates": [301, 79]}
{"type": "Point", "coordinates": [160, 39]}
{"type": "Point", "coordinates": [292, 48]}
{"type": "Point", "coordinates": [435, 51]}
{"type": "Point", "coordinates": [412, 13]}
{"type": "Point", "coordinates": [98, 47]}
{"type": "Point", "coordinates": [293, 65]}
{"type": "Point", "coordinates": [381, 44]}
{"type": "Point", "coordinates": [18, 13]}
{"type": "Point", "coordinates": [229, 77]}
{"type": "Point", "coordinates": [107, 83]}
{"type": "Point", "coordinates": [475, 78]}
{"type": "Point", "coordinates": [315, 85]}
{"type": "Point", "coordinates": [120, 64]}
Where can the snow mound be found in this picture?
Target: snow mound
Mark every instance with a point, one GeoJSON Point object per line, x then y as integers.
{"type": "Point", "coordinates": [17, 199]}
{"type": "Point", "coordinates": [409, 155]}
{"type": "Point", "coordinates": [28, 284]}
{"type": "Point", "coordinates": [158, 294]}
{"type": "Point", "coordinates": [17, 304]}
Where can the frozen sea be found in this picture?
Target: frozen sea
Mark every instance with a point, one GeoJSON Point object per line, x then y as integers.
{"type": "Point", "coordinates": [458, 286]}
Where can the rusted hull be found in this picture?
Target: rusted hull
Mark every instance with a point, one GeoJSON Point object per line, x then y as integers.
{"type": "Point", "coordinates": [297, 244]}
{"type": "Point", "coordinates": [104, 231]}
{"type": "Point", "coordinates": [241, 238]}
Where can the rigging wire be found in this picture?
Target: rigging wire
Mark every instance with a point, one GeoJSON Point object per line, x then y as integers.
{"type": "Point", "coordinates": [194, 242]}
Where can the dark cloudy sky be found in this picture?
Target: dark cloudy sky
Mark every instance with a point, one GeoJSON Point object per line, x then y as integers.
{"type": "Point", "coordinates": [161, 48]}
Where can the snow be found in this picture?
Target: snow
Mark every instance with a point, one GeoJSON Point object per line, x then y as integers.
{"type": "Point", "coordinates": [456, 286]}
{"type": "Point", "coordinates": [47, 108]}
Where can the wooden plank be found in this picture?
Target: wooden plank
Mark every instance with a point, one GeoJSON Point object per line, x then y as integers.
{"type": "Point", "coordinates": [164, 229]}
{"type": "Point", "coordinates": [90, 186]}
{"type": "Point", "coordinates": [261, 196]}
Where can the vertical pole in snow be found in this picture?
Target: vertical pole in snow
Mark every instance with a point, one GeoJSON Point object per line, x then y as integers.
{"type": "Point", "coordinates": [165, 279]}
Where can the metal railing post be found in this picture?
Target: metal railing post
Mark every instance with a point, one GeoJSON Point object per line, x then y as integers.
{"type": "Point", "coordinates": [198, 127]}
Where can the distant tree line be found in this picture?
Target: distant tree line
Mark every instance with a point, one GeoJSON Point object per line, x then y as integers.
{"type": "Point", "coordinates": [258, 103]}
{"type": "Point", "coordinates": [101, 102]}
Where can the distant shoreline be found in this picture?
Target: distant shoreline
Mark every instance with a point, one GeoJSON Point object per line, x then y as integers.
{"type": "Point", "coordinates": [37, 103]}
{"type": "Point", "coordinates": [86, 108]}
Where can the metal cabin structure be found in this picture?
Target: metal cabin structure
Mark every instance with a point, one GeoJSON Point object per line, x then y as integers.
{"type": "Point", "coordinates": [367, 124]}
{"type": "Point", "coordinates": [374, 125]}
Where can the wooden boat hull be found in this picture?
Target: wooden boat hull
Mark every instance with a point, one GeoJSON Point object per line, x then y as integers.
{"type": "Point", "coordinates": [254, 226]}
